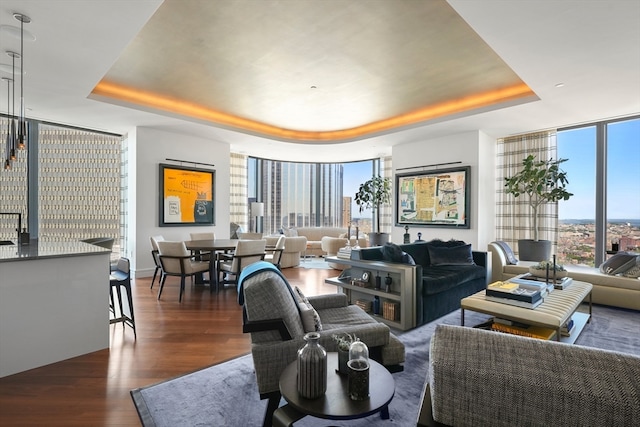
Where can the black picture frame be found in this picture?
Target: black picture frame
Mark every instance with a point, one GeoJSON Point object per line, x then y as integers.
{"type": "Point", "coordinates": [439, 198]}
{"type": "Point", "coordinates": [186, 196]}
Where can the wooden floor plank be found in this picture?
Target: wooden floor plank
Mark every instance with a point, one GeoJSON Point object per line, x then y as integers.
{"type": "Point", "coordinates": [173, 339]}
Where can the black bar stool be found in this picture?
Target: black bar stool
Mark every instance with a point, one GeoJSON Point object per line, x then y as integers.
{"type": "Point", "coordinates": [119, 278]}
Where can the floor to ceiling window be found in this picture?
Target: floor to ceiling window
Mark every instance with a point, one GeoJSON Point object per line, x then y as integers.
{"type": "Point", "coordinates": [307, 194]}
{"type": "Point", "coordinates": [604, 214]}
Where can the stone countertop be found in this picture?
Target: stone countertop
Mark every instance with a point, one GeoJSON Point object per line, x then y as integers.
{"type": "Point", "coordinates": [48, 249]}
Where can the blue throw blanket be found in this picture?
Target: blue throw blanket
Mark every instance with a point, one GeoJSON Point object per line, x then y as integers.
{"type": "Point", "coordinates": [252, 270]}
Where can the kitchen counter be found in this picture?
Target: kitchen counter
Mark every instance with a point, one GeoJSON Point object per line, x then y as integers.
{"type": "Point", "coordinates": [54, 299]}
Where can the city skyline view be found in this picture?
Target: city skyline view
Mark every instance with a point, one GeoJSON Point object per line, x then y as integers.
{"type": "Point", "coordinates": [623, 171]}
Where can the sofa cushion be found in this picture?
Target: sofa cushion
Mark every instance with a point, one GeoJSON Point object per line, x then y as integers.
{"type": "Point", "coordinates": [456, 255]}
{"type": "Point", "coordinates": [418, 252]}
{"type": "Point", "coordinates": [440, 278]}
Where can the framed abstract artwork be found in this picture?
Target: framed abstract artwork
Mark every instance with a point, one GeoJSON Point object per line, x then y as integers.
{"type": "Point", "coordinates": [186, 196]}
{"type": "Point", "coordinates": [438, 198]}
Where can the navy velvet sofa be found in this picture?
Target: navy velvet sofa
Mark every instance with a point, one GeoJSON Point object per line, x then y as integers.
{"type": "Point", "coordinates": [455, 272]}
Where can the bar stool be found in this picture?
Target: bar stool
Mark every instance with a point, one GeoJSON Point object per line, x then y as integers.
{"type": "Point", "coordinates": [119, 278]}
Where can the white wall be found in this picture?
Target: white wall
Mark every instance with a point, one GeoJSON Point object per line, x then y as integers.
{"type": "Point", "coordinates": [473, 149]}
{"type": "Point", "coordinates": [149, 148]}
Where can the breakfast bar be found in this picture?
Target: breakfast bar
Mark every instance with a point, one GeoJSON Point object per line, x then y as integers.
{"type": "Point", "coordinates": [53, 303]}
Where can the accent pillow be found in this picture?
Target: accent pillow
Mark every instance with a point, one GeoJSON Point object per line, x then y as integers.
{"type": "Point", "coordinates": [457, 255]}
{"type": "Point", "coordinates": [317, 324]}
{"type": "Point", "coordinates": [508, 252]}
{"type": "Point", "coordinates": [308, 321]}
{"type": "Point", "coordinates": [619, 263]}
{"type": "Point", "coordinates": [634, 271]}
{"type": "Point", "coordinates": [394, 253]}
{"type": "Point", "coordinates": [290, 232]}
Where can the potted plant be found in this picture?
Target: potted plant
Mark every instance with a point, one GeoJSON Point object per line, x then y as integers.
{"type": "Point", "coordinates": [344, 342]}
{"type": "Point", "coordinates": [373, 194]}
{"type": "Point", "coordinates": [542, 182]}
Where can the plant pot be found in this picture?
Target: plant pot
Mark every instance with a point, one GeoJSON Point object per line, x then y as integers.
{"type": "Point", "coordinates": [531, 250]}
{"type": "Point", "coordinates": [378, 239]}
{"type": "Point", "coordinates": [343, 358]}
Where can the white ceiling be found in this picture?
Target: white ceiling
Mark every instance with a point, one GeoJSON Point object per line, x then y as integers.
{"type": "Point", "coordinates": [592, 47]}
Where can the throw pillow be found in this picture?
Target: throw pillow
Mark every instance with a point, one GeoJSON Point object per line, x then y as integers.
{"type": "Point", "coordinates": [619, 263]}
{"type": "Point", "coordinates": [317, 324]}
{"type": "Point", "coordinates": [308, 321]}
{"type": "Point", "coordinates": [508, 252]}
{"type": "Point", "coordinates": [634, 271]}
{"type": "Point", "coordinates": [391, 252]}
{"type": "Point", "coordinates": [456, 255]}
{"type": "Point", "coordinates": [394, 253]}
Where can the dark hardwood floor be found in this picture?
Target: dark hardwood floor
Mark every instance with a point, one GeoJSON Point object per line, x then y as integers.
{"type": "Point", "coordinates": [173, 339]}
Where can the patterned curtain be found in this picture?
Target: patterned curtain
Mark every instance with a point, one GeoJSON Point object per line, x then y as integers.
{"type": "Point", "coordinates": [238, 195]}
{"type": "Point", "coordinates": [513, 215]}
{"type": "Point", "coordinates": [386, 212]}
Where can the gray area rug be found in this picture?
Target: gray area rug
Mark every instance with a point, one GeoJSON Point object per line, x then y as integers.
{"type": "Point", "coordinates": [226, 394]}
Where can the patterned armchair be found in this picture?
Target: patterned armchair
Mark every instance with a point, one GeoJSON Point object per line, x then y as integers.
{"type": "Point", "coordinates": [273, 312]}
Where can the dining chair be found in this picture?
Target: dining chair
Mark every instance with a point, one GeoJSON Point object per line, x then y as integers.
{"type": "Point", "coordinates": [120, 278]}
{"type": "Point", "coordinates": [156, 257]}
{"type": "Point", "coordinates": [176, 260]}
{"type": "Point", "coordinates": [230, 265]}
{"type": "Point", "coordinates": [274, 254]}
{"type": "Point", "coordinates": [209, 235]}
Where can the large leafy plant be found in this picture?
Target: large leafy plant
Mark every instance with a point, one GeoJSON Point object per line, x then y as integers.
{"type": "Point", "coordinates": [542, 181]}
{"type": "Point", "coordinates": [373, 194]}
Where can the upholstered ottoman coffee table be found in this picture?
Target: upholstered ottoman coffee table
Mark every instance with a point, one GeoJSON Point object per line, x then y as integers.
{"type": "Point", "coordinates": [558, 307]}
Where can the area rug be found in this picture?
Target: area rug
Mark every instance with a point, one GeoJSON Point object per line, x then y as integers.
{"type": "Point", "coordinates": [226, 394]}
{"type": "Point", "coordinates": [319, 263]}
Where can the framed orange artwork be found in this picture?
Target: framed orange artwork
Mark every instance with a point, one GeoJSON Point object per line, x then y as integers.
{"type": "Point", "coordinates": [186, 196]}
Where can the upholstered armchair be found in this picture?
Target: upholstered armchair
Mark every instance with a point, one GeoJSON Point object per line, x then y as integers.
{"type": "Point", "coordinates": [294, 247]}
{"type": "Point", "coordinates": [273, 314]}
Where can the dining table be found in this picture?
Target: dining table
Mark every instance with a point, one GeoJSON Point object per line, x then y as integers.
{"type": "Point", "coordinates": [214, 246]}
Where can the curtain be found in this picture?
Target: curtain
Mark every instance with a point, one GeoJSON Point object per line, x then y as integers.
{"type": "Point", "coordinates": [513, 215]}
{"type": "Point", "coordinates": [238, 211]}
{"type": "Point", "coordinates": [386, 211]}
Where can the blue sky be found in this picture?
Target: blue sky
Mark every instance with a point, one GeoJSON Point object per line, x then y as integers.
{"type": "Point", "coordinates": [578, 146]}
{"type": "Point", "coordinates": [623, 171]}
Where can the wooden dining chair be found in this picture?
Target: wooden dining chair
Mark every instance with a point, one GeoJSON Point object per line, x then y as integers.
{"type": "Point", "coordinates": [230, 265]}
{"type": "Point", "coordinates": [176, 260]}
{"type": "Point", "coordinates": [156, 258]}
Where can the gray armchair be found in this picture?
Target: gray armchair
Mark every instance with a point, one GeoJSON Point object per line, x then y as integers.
{"type": "Point", "coordinates": [272, 316]}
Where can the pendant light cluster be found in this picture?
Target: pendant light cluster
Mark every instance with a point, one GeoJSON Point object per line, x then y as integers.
{"type": "Point", "coordinates": [17, 134]}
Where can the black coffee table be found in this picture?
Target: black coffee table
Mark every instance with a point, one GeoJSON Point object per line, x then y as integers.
{"type": "Point", "coordinates": [335, 404]}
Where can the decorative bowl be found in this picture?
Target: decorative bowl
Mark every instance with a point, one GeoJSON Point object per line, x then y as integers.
{"type": "Point", "coordinates": [539, 272]}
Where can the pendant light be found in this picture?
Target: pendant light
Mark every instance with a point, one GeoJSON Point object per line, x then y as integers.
{"type": "Point", "coordinates": [22, 122]}
{"type": "Point", "coordinates": [7, 162]}
{"type": "Point", "coordinates": [12, 123]}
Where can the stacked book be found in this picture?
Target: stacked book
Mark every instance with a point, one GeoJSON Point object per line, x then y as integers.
{"type": "Point", "coordinates": [566, 329]}
{"type": "Point", "coordinates": [557, 283]}
{"type": "Point", "coordinates": [516, 328]}
{"type": "Point", "coordinates": [521, 295]}
{"type": "Point", "coordinates": [364, 304]}
{"type": "Point", "coordinates": [344, 253]}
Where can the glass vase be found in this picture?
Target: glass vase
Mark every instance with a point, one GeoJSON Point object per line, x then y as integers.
{"type": "Point", "coordinates": [312, 367]}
